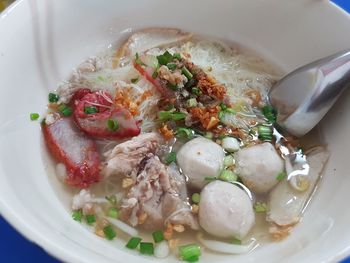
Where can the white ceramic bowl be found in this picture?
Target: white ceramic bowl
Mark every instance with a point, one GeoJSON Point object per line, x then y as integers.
{"type": "Point", "coordinates": [41, 41]}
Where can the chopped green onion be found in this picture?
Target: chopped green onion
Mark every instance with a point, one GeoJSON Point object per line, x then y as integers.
{"type": "Point", "coordinates": [77, 215]}
{"type": "Point", "coordinates": [109, 232]}
{"type": "Point", "coordinates": [236, 241]}
{"type": "Point", "coordinates": [170, 158]}
{"type": "Point", "coordinates": [196, 91]}
{"type": "Point", "coordinates": [223, 106]}
{"type": "Point", "coordinates": [169, 115]}
{"type": "Point", "coordinates": [34, 116]}
{"type": "Point", "coordinates": [90, 219]}
{"type": "Point", "coordinates": [281, 176]}
{"type": "Point", "coordinates": [190, 83]}
{"type": "Point", "coordinates": [138, 60]}
{"type": "Point", "coordinates": [229, 161]}
{"type": "Point", "coordinates": [260, 207]}
{"type": "Point", "coordinates": [222, 136]}
{"type": "Point", "coordinates": [146, 248]}
{"type": "Point", "coordinates": [230, 110]}
{"type": "Point", "coordinates": [190, 252]}
{"type": "Point", "coordinates": [210, 178]}
{"type": "Point", "coordinates": [65, 110]}
{"type": "Point", "coordinates": [270, 113]}
{"type": "Point", "coordinates": [171, 66]}
{"type": "Point", "coordinates": [265, 133]}
{"type": "Point", "coordinates": [133, 242]}
{"type": "Point", "coordinates": [155, 74]}
{"type": "Point", "coordinates": [112, 125]}
{"type": "Point", "coordinates": [100, 78]}
{"type": "Point", "coordinates": [90, 110]}
{"type": "Point", "coordinates": [165, 58]}
{"type": "Point", "coordinates": [158, 236]}
{"type": "Point", "coordinates": [135, 80]}
{"type": "Point", "coordinates": [190, 103]}
{"type": "Point", "coordinates": [113, 212]}
{"type": "Point", "coordinates": [53, 97]}
{"type": "Point", "coordinates": [221, 114]}
{"type": "Point", "coordinates": [187, 73]}
{"type": "Point", "coordinates": [184, 133]}
{"type": "Point", "coordinates": [196, 197]}
{"type": "Point", "coordinates": [228, 176]}
{"type": "Point", "coordinates": [112, 199]}
{"type": "Point", "coordinates": [169, 107]}
{"type": "Point", "coordinates": [172, 86]}
{"type": "Point", "coordinates": [177, 56]}
{"type": "Point", "coordinates": [209, 135]}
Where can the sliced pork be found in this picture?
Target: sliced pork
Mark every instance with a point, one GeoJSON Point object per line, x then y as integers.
{"type": "Point", "coordinates": [72, 148]}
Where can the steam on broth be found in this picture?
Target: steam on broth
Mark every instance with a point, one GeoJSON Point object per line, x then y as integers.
{"type": "Point", "coordinates": [169, 141]}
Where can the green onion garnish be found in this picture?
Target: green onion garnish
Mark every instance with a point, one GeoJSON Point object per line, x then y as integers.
{"type": "Point", "coordinates": [177, 56]}
{"type": "Point", "coordinates": [90, 219]}
{"type": "Point", "coordinates": [210, 178]}
{"type": "Point", "coordinates": [260, 207]}
{"type": "Point", "coordinates": [169, 115]}
{"type": "Point", "coordinates": [265, 133]}
{"type": "Point", "coordinates": [165, 58]}
{"type": "Point", "coordinates": [228, 176]}
{"type": "Point", "coordinates": [170, 158]}
{"type": "Point", "coordinates": [187, 73]}
{"type": "Point", "coordinates": [112, 199]}
{"type": "Point", "coordinates": [230, 110]}
{"type": "Point", "coordinates": [169, 107]}
{"type": "Point", "coordinates": [34, 116]}
{"type": "Point", "coordinates": [236, 241]}
{"type": "Point", "coordinates": [135, 80]}
{"type": "Point", "coordinates": [113, 212]}
{"type": "Point", "coordinates": [196, 91]}
{"type": "Point", "coordinates": [109, 232]}
{"type": "Point", "coordinates": [112, 125]}
{"type": "Point", "coordinates": [229, 161]}
{"type": "Point", "coordinates": [172, 86]}
{"type": "Point", "coordinates": [77, 215]}
{"type": "Point", "coordinates": [146, 248]}
{"type": "Point", "coordinates": [190, 103]}
{"type": "Point", "coordinates": [221, 114]}
{"type": "Point", "coordinates": [270, 113]}
{"type": "Point", "coordinates": [155, 74]}
{"type": "Point", "coordinates": [90, 110]}
{"type": "Point", "coordinates": [65, 110]}
{"type": "Point", "coordinates": [138, 60]}
{"type": "Point", "coordinates": [182, 132]}
{"type": "Point", "coordinates": [53, 97]}
{"type": "Point", "coordinates": [223, 106]}
{"type": "Point", "coordinates": [158, 236]}
{"type": "Point", "coordinates": [133, 242]}
{"type": "Point", "coordinates": [190, 252]}
{"type": "Point", "coordinates": [196, 198]}
{"type": "Point", "coordinates": [281, 176]}
{"type": "Point", "coordinates": [171, 66]}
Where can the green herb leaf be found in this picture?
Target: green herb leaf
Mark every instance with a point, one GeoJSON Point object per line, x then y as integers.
{"type": "Point", "coordinates": [170, 115]}
{"type": "Point", "coordinates": [223, 106]}
{"type": "Point", "coordinates": [34, 116]}
{"type": "Point", "coordinates": [146, 248]}
{"type": "Point", "coordinates": [109, 232]}
{"type": "Point", "coordinates": [90, 219]}
{"type": "Point", "coordinates": [171, 66]}
{"type": "Point", "coordinates": [158, 236]}
{"type": "Point", "coordinates": [90, 110]}
{"type": "Point", "coordinates": [113, 212]}
{"type": "Point", "coordinates": [170, 158]}
{"type": "Point", "coordinates": [133, 242]}
{"type": "Point", "coordinates": [77, 215]}
{"type": "Point", "coordinates": [155, 74]}
{"type": "Point", "coordinates": [112, 125]}
{"type": "Point", "coordinates": [196, 197]}
{"type": "Point", "coordinates": [177, 56]}
{"type": "Point", "coordinates": [281, 176]}
{"type": "Point", "coordinates": [135, 80]}
{"type": "Point", "coordinates": [260, 207]}
{"type": "Point", "coordinates": [165, 58]}
{"type": "Point", "coordinates": [182, 132]}
{"type": "Point", "coordinates": [53, 97]}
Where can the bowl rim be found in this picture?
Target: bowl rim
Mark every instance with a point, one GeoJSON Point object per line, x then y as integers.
{"type": "Point", "coordinates": [51, 247]}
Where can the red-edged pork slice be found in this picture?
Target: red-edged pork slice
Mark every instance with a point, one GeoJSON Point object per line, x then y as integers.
{"type": "Point", "coordinates": [96, 124]}
{"type": "Point", "coordinates": [76, 151]}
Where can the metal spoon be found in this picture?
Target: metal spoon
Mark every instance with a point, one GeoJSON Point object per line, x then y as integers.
{"type": "Point", "coordinates": [305, 95]}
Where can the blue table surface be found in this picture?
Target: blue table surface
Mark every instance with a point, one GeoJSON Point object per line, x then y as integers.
{"type": "Point", "coordinates": [15, 248]}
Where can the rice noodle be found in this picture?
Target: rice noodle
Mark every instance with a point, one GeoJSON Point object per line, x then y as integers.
{"type": "Point", "coordinates": [226, 248]}
{"type": "Point", "coordinates": [123, 227]}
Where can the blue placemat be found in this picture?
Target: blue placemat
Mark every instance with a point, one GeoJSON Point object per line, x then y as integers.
{"type": "Point", "coordinates": [16, 249]}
